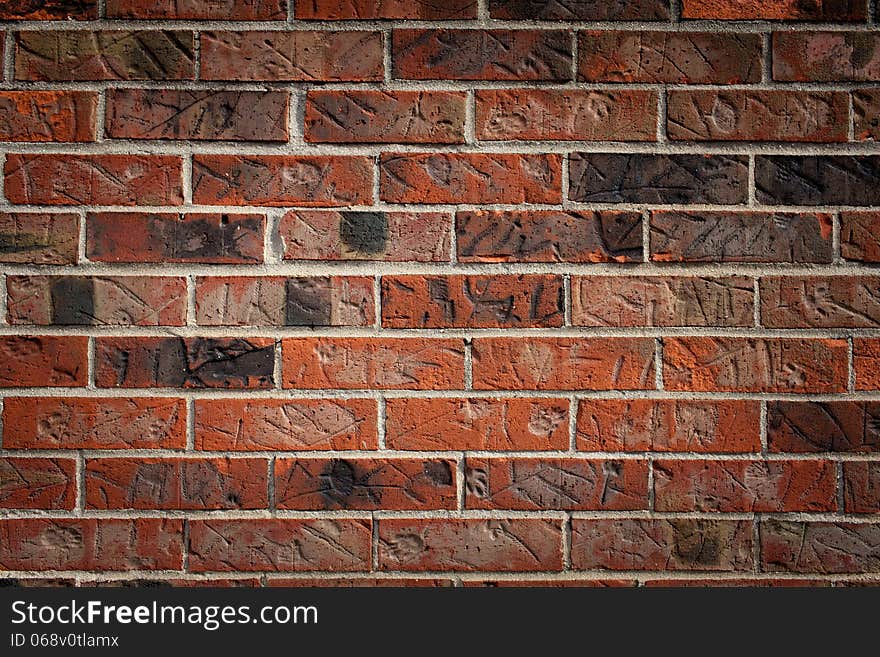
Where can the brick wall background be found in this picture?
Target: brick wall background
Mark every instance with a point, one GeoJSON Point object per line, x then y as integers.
{"type": "Point", "coordinates": [440, 292]}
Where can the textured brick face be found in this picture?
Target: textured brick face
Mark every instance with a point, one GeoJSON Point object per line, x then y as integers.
{"type": "Point", "coordinates": [439, 293]}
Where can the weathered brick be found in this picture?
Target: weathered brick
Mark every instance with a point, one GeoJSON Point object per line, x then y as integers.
{"type": "Point", "coordinates": [37, 361]}
{"type": "Point", "coordinates": [819, 547]}
{"type": "Point", "coordinates": [668, 425]}
{"type": "Point", "coordinates": [649, 544]}
{"type": "Point", "coordinates": [61, 55]}
{"type": "Point", "coordinates": [278, 301]}
{"type": "Point", "coordinates": [741, 237]}
{"type": "Point", "coordinates": [581, 10]}
{"type": "Point", "coordinates": [360, 363]}
{"type": "Point", "coordinates": [365, 484]}
{"type": "Point", "coordinates": [481, 54]}
{"type": "Point", "coordinates": [820, 301]}
{"type": "Point", "coordinates": [866, 115]}
{"type": "Point", "coordinates": [184, 362]}
{"type": "Point", "coordinates": [39, 238]}
{"type": "Point", "coordinates": [93, 179]}
{"type": "Point", "coordinates": [221, 10]}
{"type": "Point", "coordinates": [477, 424]}
{"type": "Point", "coordinates": [826, 56]}
{"type": "Point", "coordinates": [860, 236]}
{"type": "Point", "coordinates": [549, 236]}
{"type": "Point", "coordinates": [197, 115]}
{"type": "Point", "coordinates": [817, 179]}
{"type": "Point", "coordinates": [96, 301]}
{"type": "Point", "coordinates": [755, 364]}
{"type": "Point", "coordinates": [736, 583]}
{"type": "Point", "coordinates": [285, 424]}
{"type": "Point", "coordinates": [778, 10]}
{"type": "Point", "coordinates": [835, 426]}
{"type": "Point", "coordinates": [745, 486]}
{"type": "Point", "coordinates": [357, 582]}
{"type": "Point", "coordinates": [535, 114]}
{"type": "Point", "coordinates": [49, 10]}
{"type": "Point", "coordinates": [816, 116]}
{"type": "Point", "coordinates": [550, 583]}
{"type": "Point", "coordinates": [292, 56]}
{"type": "Point", "coordinates": [91, 544]}
{"type": "Point", "coordinates": [652, 178]}
{"type": "Point", "coordinates": [408, 117]}
{"type": "Point", "coordinates": [470, 178]}
{"type": "Point", "coordinates": [866, 363]}
{"type": "Point", "coordinates": [563, 364]}
{"type": "Point", "coordinates": [861, 486]}
{"type": "Point", "coordinates": [282, 180]}
{"type": "Point", "coordinates": [570, 484]}
{"type": "Point", "coordinates": [374, 235]}
{"type": "Point", "coordinates": [237, 582]}
{"type": "Point", "coordinates": [49, 116]}
{"type": "Point", "coordinates": [83, 423]}
{"type": "Point", "coordinates": [470, 545]}
{"type": "Point", "coordinates": [472, 301]}
{"type": "Point", "coordinates": [169, 483]}
{"type": "Point", "coordinates": [29, 483]}
{"type": "Point", "coordinates": [279, 545]}
{"type": "Point", "coordinates": [335, 10]}
{"type": "Point", "coordinates": [661, 301]}
{"type": "Point", "coordinates": [669, 57]}
{"type": "Point", "coordinates": [165, 237]}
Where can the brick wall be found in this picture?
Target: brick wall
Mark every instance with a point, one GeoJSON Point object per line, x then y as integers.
{"type": "Point", "coordinates": [440, 292]}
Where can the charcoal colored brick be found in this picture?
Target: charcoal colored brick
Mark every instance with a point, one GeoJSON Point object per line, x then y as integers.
{"type": "Point", "coordinates": [39, 238]}
{"type": "Point", "coordinates": [817, 179]}
{"type": "Point", "coordinates": [833, 426]}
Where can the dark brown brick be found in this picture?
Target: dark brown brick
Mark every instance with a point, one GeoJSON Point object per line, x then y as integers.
{"type": "Point", "coordinates": [818, 179]}
{"type": "Point", "coordinates": [826, 56]}
{"type": "Point", "coordinates": [860, 236]}
{"type": "Point", "coordinates": [39, 239]}
{"type": "Point", "coordinates": [579, 10]}
{"type": "Point", "coordinates": [49, 10]}
{"type": "Point", "coordinates": [222, 10]}
{"type": "Point", "coordinates": [425, 10]}
{"type": "Point", "coordinates": [861, 483]}
{"type": "Point", "coordinates": [866, 114]}
{"type": "Point", "coordinates": [836, 426]}
{"type": "Point", "coordinates": [819, 547]}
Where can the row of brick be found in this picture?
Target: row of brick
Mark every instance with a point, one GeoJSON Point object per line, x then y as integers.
{"type": "Point", "coordinates": [449, 301]}
{"type": "Point", "coordinates": [431, 424]}
{"type": "Point", "coordinates": [425, 117]}
{"type": "Point", "coordinates": [425, 484]}
{"type": "Point", "coordinates": [442, 178]}
{"type": "Point", "coordinates": [449, 544]}
{"type": "Point", "coordinates": [444, 54]}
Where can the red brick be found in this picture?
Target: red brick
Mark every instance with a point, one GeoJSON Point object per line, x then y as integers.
{"type": "Point", "coordinates": [231, 10]}
{"type": "Point", "coordinates": [282, 180]}
{"type": "Point", "coordinates": [28, 483]}
{"type": "Point", "coordinates": [535, 114]}
{"type": "Point", "coordinates": [549, 236]}
{"type": "Point", "coordinates": [335, 10]}
{"type": "Point", "coordinates": [735, 583]}
{"type": "Point", "coordinates": [365, 484]}
{"type": "Point", "coordinates": [357, 582]}
{"type": "Point", "coordinates": [91, 544]}
{"type": "Point", "coordinates": [285, 424]}
{"type": "Point", "coordinates": [649, 544]}
{"type": "Point", "coordinates": [481, 54]}
{"type": "Point", "coordinates": [815, 116]}
{"type": "Point", "coordinates": [866, 363]}
{"type": "Point", "coordinates": [184, 362]}
{"type": "Point", "coordinates": [61, 55]}
{"type": "Point", "coordinates": [39, 238]}
{"type": "Point", "coordinates": [239, 582]}
{"type": "Point", "coordinates": [472, 301]}
{"type": "Point", "coordinates": [819, 547]}
{"type": "Point", "coordinates": [48, 115]}
{"type": "Point", "coordinates": [669, 57]}
{"type": "Point", "coordinates": [361, 363]}
{"type": "Point", "coordinates": [470, 545]}
{"type": "Point", "coordinates": [42, 361]}
{"type": "Point", "coordinates": [860, 236]}
{"type": "Point", "coordinates": [861, 482]}
{"type": "Point", "coordinates": [745, 486]}
{"type": "Point", "coordinates": [755, 364]}
{"type": "Point", "coordinates": [569, 484]}
{"type": "Point", "coordinates": [661, 301]}
{"type": "Point", "coordinates": [292, 56]}
{"type": "Point", "coordinates": [279, 545]}
{"type": "Point", "coordinates": [93, 179]}
{"type": "Point", "coordinates": [660, 425]}
{"type": "Point", "coordinates": [167, 483]}
{"type": "Point", "coordinates": [820, 301]}
{"type": "Point", "coordinates": [563, 364]}
{"type": "Point", "coordinates": [779, 10]}
{"type": "Point", "coordinates": [49, 10]}
{"type": "Point", "coordinates": [406, 117]}
{"type": "Point", "coordinates": [866, 115]}
{"type": "Point", "coordinates": [349, 235]}
{"type": "Point", "coordinates": [165, 237]}
{"type": "Point", "coordinates": [197, 115]}
{"type": "Point", "coordinates": [550, 583]}
{"type": "Point", "coordinates": [470, 178]}
{"type": "Point", "coordinates": [83, 423]}
{"type": "Point", "coordinates": [478, 424]}
{"type": "Point", "coordinates": [826, 56]}
{"type": "Point", "coordinates": [121, 300]}
{"type": "Point", "coordinates": [835, 426]}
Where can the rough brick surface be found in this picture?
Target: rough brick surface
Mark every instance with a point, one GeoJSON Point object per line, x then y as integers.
{"type": "Point", "coordinates": [39, 239]}
{"type": "Point", "coordinates": [47, 116]}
